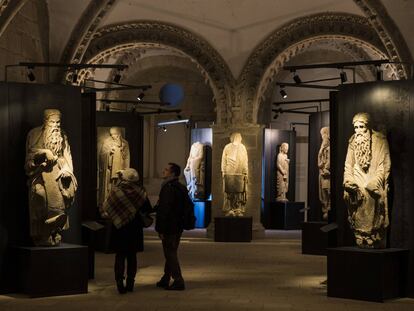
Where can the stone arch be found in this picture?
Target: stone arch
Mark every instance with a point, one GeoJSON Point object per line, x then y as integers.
{"type": "Point", "coordinates": [115, 38]}
{"type": "Point", "coordinates": [8, 10]}
{"type": "Point", "coordinates": [280, 46]}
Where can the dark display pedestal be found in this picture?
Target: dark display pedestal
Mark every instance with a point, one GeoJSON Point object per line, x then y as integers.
{"type": "Point", "coordinates": [286, 215]}
{"type": "Point", "coordinates": [367, 274]}
{"type": "Point", "coordinates": [52, 271]}
{"type": "Point", "coordinates": [233, 229]}
{"type": "Point", "coordinates": [314, 241]}
{"type": "Point", "coordinates": [103, 238]}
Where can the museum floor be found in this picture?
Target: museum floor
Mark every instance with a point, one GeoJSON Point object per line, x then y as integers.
{"type": "Point", "coordinates": [267, 274]}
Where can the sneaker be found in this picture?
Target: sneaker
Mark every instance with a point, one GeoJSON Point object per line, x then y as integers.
{"type": "Point", "coordinates": [120, 286]}
{"type": "Point", "coordinates": [130, 284]}
{"type": "Point", "coordinates": [176, 286]}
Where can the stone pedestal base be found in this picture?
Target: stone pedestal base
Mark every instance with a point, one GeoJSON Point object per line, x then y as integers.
{"type": "Point", "coordinates": [286, 215]}
{"type": "Point", "coordinates": [52, 271]}
{"type": "Point", "coordinates": [314, 241]}
{"type": "Point", "coordinates": [233, 229]}
{"type": "Point", "coordinates": [367, 274]}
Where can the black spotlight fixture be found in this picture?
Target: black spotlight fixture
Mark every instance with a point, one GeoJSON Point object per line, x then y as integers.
{"type": "Point", "coordinates": [74, 77]}
{"type": "Point", "coordinates": [134, 109]}
{"type": "Point", "coordinates": [117, 77]}
{"type": "Point", "coordinates": [107, 107]}
{"type": "Point", "coordinates": [380, 74]}
{"type": "Point", "coordinates": [283, 92]}
{"type": "Point", "coordinates": [179, 117]}
{"type": "Point", "coordinates": [30, 74]}
{"type": "Point", "coordinates": [296, 78]}
{"type": "Point", "coordinates": [140, 96]}
{"type": "Point", "coordinates": [343, 77]}
{"type": "Point", "coordinates": [164, 128]}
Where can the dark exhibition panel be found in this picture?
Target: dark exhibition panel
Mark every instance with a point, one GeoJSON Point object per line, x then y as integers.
{"type": "Point", "coordinates": [273, 138]}
{"type": "Point", "coordinates": [317, 121]}
{"type": "Point", "coordinates": [22, 109]}
{"type": "Point", "coordinates": [391, 107]}
{"type": "Point", "coordinates": [132, 131]}
{"type": "Point", "coordinates": [314, 240]}
{"type": "Point", "coordinates": [202, 206]}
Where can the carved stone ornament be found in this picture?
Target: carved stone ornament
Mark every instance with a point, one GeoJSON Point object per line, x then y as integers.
{"type": "Point", "coordinates": [324, 165]}
{"type": "Point", "coordinates": [114, 156]}
{"type": "Point", "coordinates": [267, 60]}
{"type": "Point", "coordinates": [194, 171]}
{"type": "Point", "coordinates": [234, 169]}
{"type": "Point", "coordinates": [52, 184]}
{"type": "Point", "coordinates": [366, 176]}
{"type": "Point", "coordinates": [282, 173]}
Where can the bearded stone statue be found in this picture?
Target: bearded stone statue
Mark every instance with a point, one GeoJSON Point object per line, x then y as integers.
{"type": "Point", "coordinates": [52, 184]}
{"type": "Point", "coordinates": [366, 176]}
{"type": "Point", "coordinates": [234, 168]}
{"type": "Point", "coordinates": [113, 156]}
{"type": "Point", "coordinates": [324, 165]}
{"type": "Point", "coordinates": [282, 173]}
{"type": "Point", "coordinates": [194, 171]}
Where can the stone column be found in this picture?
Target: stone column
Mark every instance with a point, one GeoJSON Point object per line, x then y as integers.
{"type": "Point", "coordinates": [252, 138]}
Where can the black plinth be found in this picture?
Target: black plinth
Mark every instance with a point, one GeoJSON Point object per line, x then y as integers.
{"type": "Point", "coordinates": [233, 229]}
{"type": "Point", "coordinates": [286, 215]}
{"type": "Point", "coordinates": [367, 274]}
{"type": "Point", "coordinates": [52, 271]}
{"type": "Point", "coordinates": [314, 241]}
{"type": "Point", "coordinates": [104, 240]}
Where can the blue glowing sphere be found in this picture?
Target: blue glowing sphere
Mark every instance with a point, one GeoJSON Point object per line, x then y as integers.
{"type": "Point", "coordinates": [172, 93]}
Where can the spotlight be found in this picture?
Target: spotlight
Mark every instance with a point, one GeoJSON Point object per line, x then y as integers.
{"type": "Point", "coordinates": [30, 74]}
{"type": "Point", "coordinates": [275, 116]}
{"type": "Point", "coordinates": [107, 107]}
{"type": "Point", "coordinates": [140, 96]}
{"type": "Point", "coordinates": [343, 77]}
{"type": "Point", "coordinates": [297, 79]}
{"type": "Point", "coordinates": [117, 78]}
{"type": "Point", "coordinates": [379, 74]}
{"type": "Point", "coordinates": [283, 92]}
{"type": "Point", "coordinates": [179, 117]}
{"type": "Point", "coordinates": [164, 128]}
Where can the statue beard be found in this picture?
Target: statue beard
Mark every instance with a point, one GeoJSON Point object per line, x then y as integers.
{"type": "Point", "coordinates": [362, 145]}
{"type": "Point", "coordinates": [53, 139]}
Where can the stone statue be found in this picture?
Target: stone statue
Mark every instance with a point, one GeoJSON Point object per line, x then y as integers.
{"type": "Point", "coordinates": [194, 171]}
{"type": "Point", "coordinates": [325, 173]}
{"type": "Point", "coordinates": [234, 168]}
{"type": "Point", "coordinates": [52, 184]}
{"type": "Point", "coordinates": [113, 157]}
{"type": "Point", "coordinates": [367, 170]}
{"type": "Point", "coordinates": [282, 173]}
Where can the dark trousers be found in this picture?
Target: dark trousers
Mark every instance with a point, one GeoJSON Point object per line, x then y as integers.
{"type": "Point", "coordinates": [119, 267]}
{"type": "Point", "coordinates": [170, 245]}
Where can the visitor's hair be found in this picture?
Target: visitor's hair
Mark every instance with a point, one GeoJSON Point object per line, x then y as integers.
{"type": "Point", "coordinates": [175, 169]}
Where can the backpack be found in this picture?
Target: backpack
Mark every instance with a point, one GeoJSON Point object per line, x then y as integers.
{"type": "Point", "coordinates": [188, 217]}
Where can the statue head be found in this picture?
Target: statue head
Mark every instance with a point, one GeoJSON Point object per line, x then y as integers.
{"type": "Point", "coordinates": [325, 135]}
{"type": "Point", "coordinates": [284, 147]}
{"type": "Point", "coordinates": [128, 174]}
{"type": "Point", "coordinates": [116, 133]}
{"type": "Point", "coordinates": [236, 138]}
{"type": "Point", "coordinates": [51, 118]}
{"type": "Point", "coordinates": [361, 122]}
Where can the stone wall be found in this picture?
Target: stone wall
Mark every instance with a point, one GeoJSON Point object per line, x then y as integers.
{"type": "Point", "coordinates": [26, 39]}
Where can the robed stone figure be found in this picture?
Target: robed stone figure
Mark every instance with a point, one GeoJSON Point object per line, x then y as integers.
{"type": "Point", "coordinates": [52, 184]}
{"type": "Point", "coordinates": [367, 171]}
{"type": "Point", "coordinates": [234, 168]}
{"type": "Point", "coordinates": [324, 165]}
{"type": "Point", "coordinates": [194, 171]}
{"type": "Point", "coordinates": [282, 173]}
{"type": "Point", "coordinates": [114, 156]}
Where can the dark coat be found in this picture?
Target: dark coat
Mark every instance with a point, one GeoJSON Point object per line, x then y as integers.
{"type": "Point", "coordinates": [170, 208]}
{"type": "Point", "coordinates": [130, 238]}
